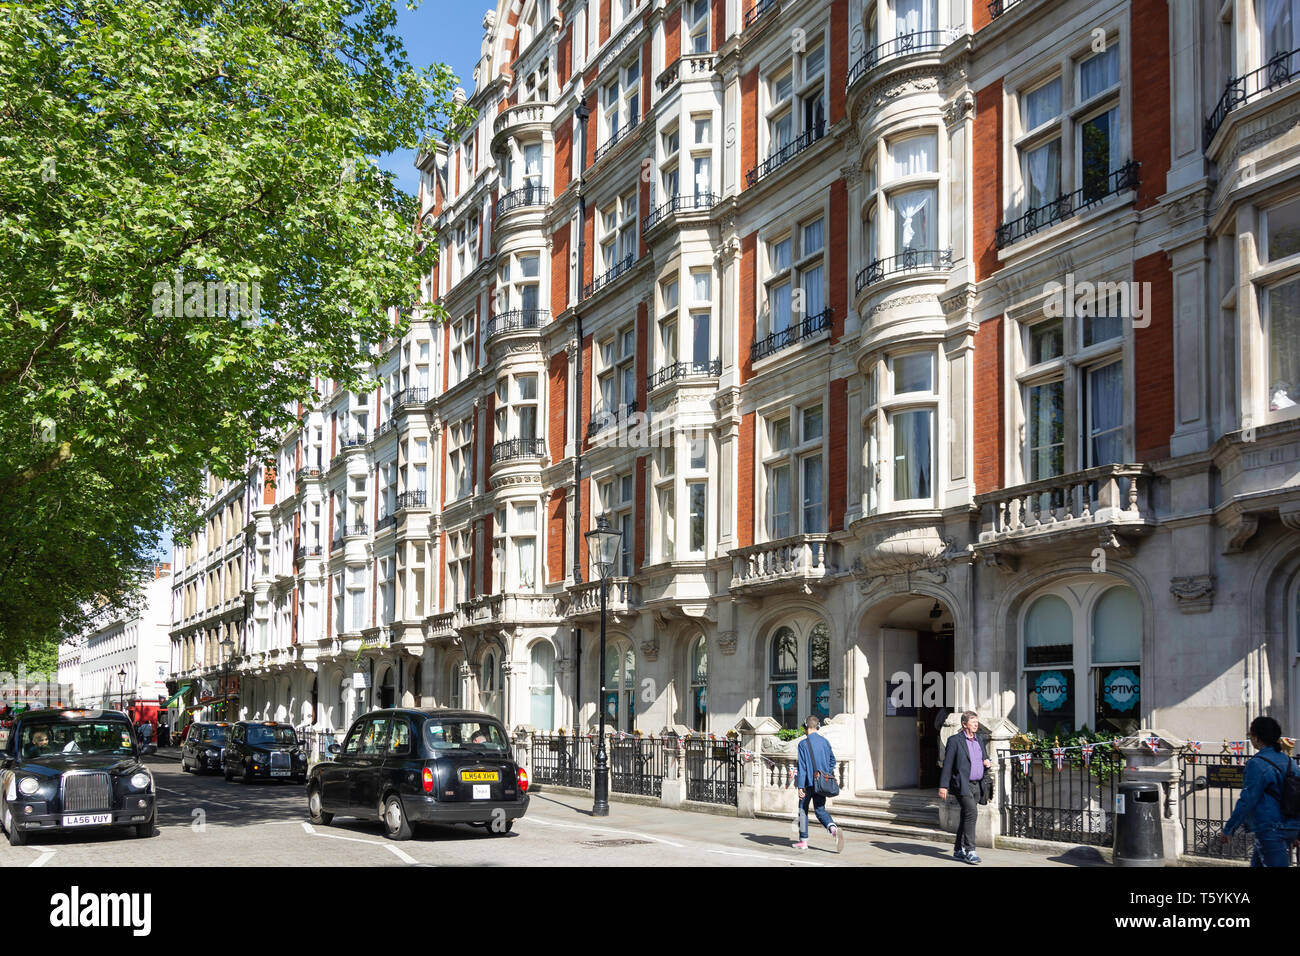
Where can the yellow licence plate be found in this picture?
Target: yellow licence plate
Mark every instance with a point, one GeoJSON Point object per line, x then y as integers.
{"type": "Point", "coordinates": [478, 776]}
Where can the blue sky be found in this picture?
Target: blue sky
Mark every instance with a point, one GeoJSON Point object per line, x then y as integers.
{"type": "Point", "coordinates": [439, 31]}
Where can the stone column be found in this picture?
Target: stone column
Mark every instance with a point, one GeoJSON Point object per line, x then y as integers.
{"type": "Point", "coordinates": [1144, 765]}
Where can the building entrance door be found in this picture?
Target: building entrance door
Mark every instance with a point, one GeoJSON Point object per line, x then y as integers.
{"type": "Point", "coordinates": [935, 652]}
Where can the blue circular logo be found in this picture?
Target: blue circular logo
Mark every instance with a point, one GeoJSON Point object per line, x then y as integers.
{"type": "Point", "coordinates": [1052, 690]}
{"type": "Point", "coordinates": [824, 701]}
{"type": "Point", "coordinates": [1120, 689]}
{"type": "Point", "coordinates": [785, 694]}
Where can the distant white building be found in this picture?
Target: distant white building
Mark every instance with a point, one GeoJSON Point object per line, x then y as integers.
{"type": "Point", "coordinates": [123, 662]}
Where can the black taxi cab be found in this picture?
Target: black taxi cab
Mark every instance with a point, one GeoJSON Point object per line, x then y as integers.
{"type": "Point", "coordinates": [263, 749]}
{"type": "Point", "coordinates": [204, 745]}
{"type": "Point", "coordinates": [62, 770]}
{"type": "Point", "coordinates": [410, 766]}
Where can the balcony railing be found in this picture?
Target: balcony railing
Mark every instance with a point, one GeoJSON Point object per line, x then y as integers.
{"type": "Point", "coordinates": [676, 370]}
{"type": "Point", "coordinates": [789, 562]}
{"type": "Point", "coordinates": [786, 153]}
{"type": "Point", "coordinates": [602, 419]}
{"type": "Point", "coordinates": [384, 429]}
{"type": "Point", "coordinates": [618, 136]}
{"type": "Point", "coordinates": [999, 7]}
{"type": "Point", "coordinates": [1066, 207]}
{"type": "Point", "coordinates": [675, 205]}
{"type": "Point", "coordinates": [410, 396]}
{"type": "Point", "coordinates": [411, 499]}
{"type": "Point", "coordinates": [353, 441]}
{"type": "Point", "coordinates": [624, 265]}
{"type": "Point", "coordinates": [516, 320]}
{"type": "Point", "coordinates": [759, 9]}
{"type": "Point", "coordinates": [1105, 495]}
{"type": "Point", "coordinates": [384, 522]}
{"type": "Point", "coordinates": [518, 448]}
{"type": "Point", "coordinates": [905, 45]}
{"type": "Point", "coordinates": [795, 333]}
{"type": "Point", "coordinates": [519, 198]}
{"type": "Point", "coordinates": [1277, 72]}
{"type": "Point", "coordinates": [669, 77]}
{"type": "Point", "coordinates": [622, 596]}
{"type": "Point", "coordinates": [304, 551]}
{"type": "Point", "coordinates": [910, 260]}
{"type": "Point", "coordinates": [349, 531]}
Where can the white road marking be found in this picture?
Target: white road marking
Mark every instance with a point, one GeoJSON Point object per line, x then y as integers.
{"type": "Point", "coordinates": [768, 856]}
{"type": "Point", "coordinates": [405, 858]}
{"type": "Point", "coordinates": [45, 854]}
{"type": "Point", "coordinates": [579, 826]}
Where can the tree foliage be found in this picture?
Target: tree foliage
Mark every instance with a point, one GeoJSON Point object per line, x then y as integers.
{"type": "Point", "coordinates": [151, 151]}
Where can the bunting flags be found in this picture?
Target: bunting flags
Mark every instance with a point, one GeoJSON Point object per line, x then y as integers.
{"type": "Point", "coordinates": [1087, 754]}
{"type": "Point", "coordinates": [1025, 760]}
{"type": "Point", "coordinates": [1153, 742]}
{"type": "Point", "coordinates": [1195, 747]}
{"type": "Point", "coordinates": [1058, 755]}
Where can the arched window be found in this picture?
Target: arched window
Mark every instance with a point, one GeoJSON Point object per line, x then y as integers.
{"type": "Point", "coordinates": [1082, 660]}
{"type": "Point", "coordinates": [819, 670]}
{"type": "Point", "coordinates": [490, 683]}
{"type": "Point", "coordinates": [620, 686]}
{"type": "Point", "coordinates": [1117, 661]}
{"type": "Point", "coordinates": [699, 684]}
{"type": "Point", "coordinates": [541, 686]}
{"type": "Point", "coordinates": [1049, 665]}
{"type": "Point", "coordinates": [783, 677]}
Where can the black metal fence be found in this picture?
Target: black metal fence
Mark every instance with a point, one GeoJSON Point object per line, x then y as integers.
{"type": "Point", "coordinates": [1095, 189]}
{"type": "Point", "coordinates": [1075, 804]}
{"type": "Point", "coordinates": [562, 761]}
{"type": "Point", "coordinates": [638, 765]}
{"type": "Point", "coordinates": [712, 770]}
{"type": "Point", "coordinates": [1209, 790]}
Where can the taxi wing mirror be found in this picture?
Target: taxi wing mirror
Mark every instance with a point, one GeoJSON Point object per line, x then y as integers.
{"type": "Point", "coordinates": [334, 749]}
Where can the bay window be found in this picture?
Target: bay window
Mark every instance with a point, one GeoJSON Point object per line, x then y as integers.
{"type": "Point", "coordinates": [515, 547]}
{"type": "Point", "coordinates": [459, 567]}
{"type": "Point", "coordinates": [696, 13]}
{"type": "Point", "coordinates": [460, 450]}
{"type": "Point", "coordinates": [794, 471]}
{"type": "Point", "coordinates": [616, 504]}
{"type": "Point", "coordinates": [1277, 280]}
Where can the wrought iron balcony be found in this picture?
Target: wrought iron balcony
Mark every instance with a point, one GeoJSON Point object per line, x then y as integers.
{"type": "Point", "coordinates": [796, 333]}
{"type": "Point", "coordinates": [786, 153]}
{"type": "Point", "coordinates": [520, 198]}
{"type": "Point", "coordinates": [518, 448]}
{"type": "Point", "coordinates": [699, 201]}
{"type": "Point", "coordinates": [385, 522]}
{"type": "Point", "coordinates": [603, 418]}
{"type": "Point", "coordinates": [411, 499]}
{"type": "Point", "coordinates": [759, 9]}
{"type": "Point", "coordinates": [920, 42]}
{"type": "Point", "coordinates": [618, 136]}
{"type": "Point", "coordinates": [1110, 498]}
{"type": "Point", "coordinates": [910, 260]}
{"type": "Point", "coordinates": [385, 428]}
{"type": "Point", "coordinates": [670, 373]}
{"type": "Point", "coordinates": [348, 531]}
{"type": "Point", "coordinates": [1277, 72]}
{"type": "Point", "coordinates": [1066, 207]}
{"type": "Point", "coordinates": [304, 551]}
{"type": "Point", "coordinates": [788, 564]}
{"type": "Point", "coordinates": [999, 7]}
{"type": "Point", "coordinates": [353, 441]}
{"type": "Point", "coordinates": [619, 268]}
{"type": "Point", "coordinates": [410, 396]}
{"type": "Point", "coordinates": [516, 320]}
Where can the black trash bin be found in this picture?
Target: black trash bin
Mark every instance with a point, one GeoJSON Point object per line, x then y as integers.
{"type": "Point", "coordinates": [1138, 837]}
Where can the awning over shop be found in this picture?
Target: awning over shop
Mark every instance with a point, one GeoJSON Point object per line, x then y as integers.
{"type": "Point", "coordinates": [176, 696]}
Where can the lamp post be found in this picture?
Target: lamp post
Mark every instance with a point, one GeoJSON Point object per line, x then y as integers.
{"type": "Point", "coordinates": [603, 544]}
{"type": "Point", "coordinates": [121, 690]}
{"type": "Point", "coordinates": [227, 646]}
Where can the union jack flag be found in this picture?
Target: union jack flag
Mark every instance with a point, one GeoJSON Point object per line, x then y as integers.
{"type": "Point", "coordinates": [1195, 747]}
{"type": "Point", "coordinates": [1238, 747]}
{"type": "Point", "coordinates": [1153, 742]}
{"type": "Point", "coordinates": [1087, 754]}
{"type": "Point", "coordinates": [1025, 760]}
{"type": "Point", "coordinates": [1058, 754]}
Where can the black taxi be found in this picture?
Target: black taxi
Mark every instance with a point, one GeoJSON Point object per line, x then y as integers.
{"type": "Point", "coordinates": [62, 770]}
{"type": "Point", "coordinates": [204, 745]}
{"type": "Point", "coordinates": [263, 749]}
{"type": "Point", "coordinates": [410, 766]}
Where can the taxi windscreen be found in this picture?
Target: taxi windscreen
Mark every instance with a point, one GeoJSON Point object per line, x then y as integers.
{"type": "Point", "coordinates": [464, 735]}
{"type": "Point", "coordinates": [261, 735]}
{"type": "Point", "coordinates": [75, 737]}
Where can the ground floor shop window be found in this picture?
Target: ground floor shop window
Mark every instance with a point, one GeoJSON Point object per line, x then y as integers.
{"type": "Point", "coordinates": [699, 685]}
{"type": "Point", "coordinates": [799, 672]}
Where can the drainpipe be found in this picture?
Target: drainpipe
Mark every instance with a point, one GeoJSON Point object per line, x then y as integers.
{"type": "Point", "coordinates": [582, 114]}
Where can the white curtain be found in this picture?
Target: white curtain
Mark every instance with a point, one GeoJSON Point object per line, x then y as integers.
{"type": "Point", "coordinates": [913, 16]}
{"type": "Point", "coordinates": [1106, 414]}
{"type": "Point", "coordinates": [542, 690]}
{"type": "Point", "coordinates": [1098, 73]}
{"type": "Point", "coordinates": [1284, 346]}
{"type": "Point", "coordinates": [916, 154]}
{"type": "Point", "coordinates": [913, 458]}
{"type": "Point", "coordinates": [1043, 174]}
{"type": "Point", "coordinates": [780, 307]}
{"type": "Point", "coordinates": [1042, 104]}
{"type": "Point", "coordinates": [1117, 627]}
{"type": "Point", "coordinates": [1277, 21]}
{"type": "Point", "coordinates": [914, 220]}
{"type": "Point", "coordinates": [814, 298]}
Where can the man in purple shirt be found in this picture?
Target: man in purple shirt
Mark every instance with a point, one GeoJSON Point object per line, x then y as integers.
{"type": "Point", "coordinates": [964, 764]}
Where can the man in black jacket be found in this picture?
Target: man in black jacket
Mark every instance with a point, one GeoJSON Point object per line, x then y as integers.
{"type": "Point", "coordinates": [966, 769]}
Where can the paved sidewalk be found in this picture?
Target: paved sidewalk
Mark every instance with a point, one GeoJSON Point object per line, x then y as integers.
{"type": "Point", "coordinates": [774, 836]}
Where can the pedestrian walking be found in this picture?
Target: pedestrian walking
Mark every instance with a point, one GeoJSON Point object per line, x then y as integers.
{"type": "Point", "coordinates": [1267, 806]}
{"type": "Point", "coordinates": [815, 778]}
{"type": "Point", "coordinates": [965, 774]}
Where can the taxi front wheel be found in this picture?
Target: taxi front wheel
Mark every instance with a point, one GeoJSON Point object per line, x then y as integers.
{"type": "Point", "coordinates": [16, 837]}
{"type": "Point", "coordinates": [396, 826]}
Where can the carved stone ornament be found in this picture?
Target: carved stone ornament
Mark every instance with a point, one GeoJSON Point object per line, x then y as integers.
{"type": "Point", "coordinates": [959, 109]}
{"type": "Point", "coordinates": [650, 648]}
{"type": "Point", "coordinates": [1195, 593]}
{"type": "Point", "coordinates": [727, 642]}
{"type": "Point", "coordinates": [1240, 533]}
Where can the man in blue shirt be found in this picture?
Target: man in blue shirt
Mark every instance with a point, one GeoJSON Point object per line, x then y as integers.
{"type": "Point", "coordinates": [964, 766]}
{"type": "Point", "coordinates": [815, 755]}
{"type": "Point", "coordinates": [1259, 808]}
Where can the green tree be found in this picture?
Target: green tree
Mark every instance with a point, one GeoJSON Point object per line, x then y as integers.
{"type": "Point", "coordinates": [211, 152]}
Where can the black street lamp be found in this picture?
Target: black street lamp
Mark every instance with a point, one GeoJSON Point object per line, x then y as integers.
{"type": "Point", "coordinates": [603, 544]}
{"type": "Point", "coordinates": [121, 690]}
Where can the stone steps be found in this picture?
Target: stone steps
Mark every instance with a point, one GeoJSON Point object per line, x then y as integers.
{"type": "Point", "coordinates": [898, 813]}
